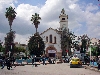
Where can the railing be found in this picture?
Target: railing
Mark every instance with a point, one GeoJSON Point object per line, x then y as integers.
{"type": "Point", "coordinates": [20, 61]}
{"type": "Point", "coordinates": [27, 61]}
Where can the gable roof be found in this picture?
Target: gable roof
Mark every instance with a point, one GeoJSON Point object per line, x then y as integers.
{"type": "Point", "coordinates": [49, 29]}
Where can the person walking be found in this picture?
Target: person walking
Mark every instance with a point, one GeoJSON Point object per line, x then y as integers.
{"type": "Point", "coordinates": [13, 60]}
{"type": "Point", "coordinates": [43, 60]}
{"type": "Point", "coordinates": [49, 60]}
{"type": "Point", "coordinates": [8, 63]}
{"type": "Point", "coordinates": [33, 60]}
{"type": "Point", "coordinates": [99, 63]}
{"type": "Point", "coordinates": [3, 63]}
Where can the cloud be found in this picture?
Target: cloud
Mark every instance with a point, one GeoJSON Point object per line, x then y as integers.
{"type": "Point", "coordinates": [91, 7]}
{"type": "Point", "coordinates": [23, 39]}
{"type": "Point", "coordinates": [82, 18]}
{"type": "Point", "coordinates": [25, 11]}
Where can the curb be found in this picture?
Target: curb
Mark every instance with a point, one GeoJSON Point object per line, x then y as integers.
{"type": "Point", "coordinates": [92, 68]}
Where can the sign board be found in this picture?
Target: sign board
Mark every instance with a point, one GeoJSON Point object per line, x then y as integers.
{"type": "Point", "coordinates": [51, 51]}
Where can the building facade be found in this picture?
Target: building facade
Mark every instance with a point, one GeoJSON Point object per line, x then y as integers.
{"type": "Point", "coordinates": [52, 37]}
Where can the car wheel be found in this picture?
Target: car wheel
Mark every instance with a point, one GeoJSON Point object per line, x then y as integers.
{"type": "Point", "coordinates": [70, 66]}
{"type": "Point", "coordinates": [80, 66]}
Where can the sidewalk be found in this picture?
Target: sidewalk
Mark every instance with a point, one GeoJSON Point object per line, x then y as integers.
{"type": "Point", "coordinates": [37, 63]}
{"type": "Point", "coordinates": [92, 68]}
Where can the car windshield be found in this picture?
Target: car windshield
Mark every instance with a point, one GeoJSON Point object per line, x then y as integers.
{"type": "Point", "coordinates": [75, 59]}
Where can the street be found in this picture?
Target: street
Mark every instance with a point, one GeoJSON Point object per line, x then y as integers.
{"type": "Point", "coordinates": [49, 69]}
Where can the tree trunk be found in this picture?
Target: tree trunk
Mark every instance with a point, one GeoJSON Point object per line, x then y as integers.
{"type": "Point", "coordinates": [36, 30]}
{"type": "Point", "coordinates": [10, 28]}
{"type": "Point", "coordinates": [36, 26]}
{"type": "Point", "coordinates": [10, 23]}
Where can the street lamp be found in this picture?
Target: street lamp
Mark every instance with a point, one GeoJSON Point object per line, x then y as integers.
{"type": "Point", "coordinates": [9, 53]}
{"type": "Point", "coordinates": [90, 51]}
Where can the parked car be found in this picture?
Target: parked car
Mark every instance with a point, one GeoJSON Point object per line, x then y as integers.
{"type": "Point", "coordinates": [75, 62]}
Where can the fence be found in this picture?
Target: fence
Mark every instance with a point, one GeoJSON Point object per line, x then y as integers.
{"type": "Point", "coordinates": [20, 61]}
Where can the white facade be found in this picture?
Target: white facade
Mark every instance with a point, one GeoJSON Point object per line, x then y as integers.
{"type": "Point", "coordinates": [52, 32]}
{"type": "Point", "coordinates": [94, 41]}
{"type": "Point", "coordinates": [55, 33]}
{"type": "Point", "coordinates": [63, 20]}
{"type": "Point", "coordinates": [20, 45]}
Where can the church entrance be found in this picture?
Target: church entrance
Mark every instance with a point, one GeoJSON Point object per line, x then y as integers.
{"type": "Point", "coordinates": [51, 51]}
{"type": "Point", "coordinates": [51, 54]}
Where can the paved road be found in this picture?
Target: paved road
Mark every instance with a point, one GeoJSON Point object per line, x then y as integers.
{"type": "Point", "coordinates": [50, 69]}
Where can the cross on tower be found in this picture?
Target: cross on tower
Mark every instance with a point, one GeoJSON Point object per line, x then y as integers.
{"type": "Point", "coordinates": [63, 11]}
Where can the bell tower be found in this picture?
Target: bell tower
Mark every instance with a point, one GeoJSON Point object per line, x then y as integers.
{"type": "Point", "coordinates": [63, 20]}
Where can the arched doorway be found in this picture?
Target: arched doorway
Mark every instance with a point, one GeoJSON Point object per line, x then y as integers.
{"type": "Point", "coordinates": [51, 51]}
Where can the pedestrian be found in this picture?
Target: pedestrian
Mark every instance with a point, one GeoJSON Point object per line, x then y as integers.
{"type": "Point", "coordinates": [3, 63]}
{"type": "Point", "coordinates": [43, 60]}
{"type": "Point", "coordinates": [53, 60]}
{"type": "Point", "coordinates": [8, 63]}
{"type": "Point", "coordinates": [13, 60]}
{"type": "Point", "coordinates": [99, 63]}
{"type": "Point", "coordinates": [49, 60]}
{"type": "Point", "coordinates": [33, 60]}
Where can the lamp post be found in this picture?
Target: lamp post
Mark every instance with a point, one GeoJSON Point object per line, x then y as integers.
{"type": "Point", "coordinates": [9, 53]}
{"type": "Point", "coordinates": [90, 52]}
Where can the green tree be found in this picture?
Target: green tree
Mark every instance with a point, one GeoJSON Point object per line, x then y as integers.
{"type": "Point", "coordinates": [66, 41]}
{"type": "Point", "coordinates": [10, 14]}
{"type": "Point", "coordinates": [98, 50]}
{"type": "Point", "coordinates": [94, 50]}
{"type": "Point", "coordinates": [9, 40]}
{"type": "Point", "coordinates": [76, 45]}
{"type": "Point", "coordinates": [19, 49]}
{"type": "Point", "coordinates": [85, 43]}
{"type": "Point", "coordinates": [36, 45]}
{"type": "Point", "coordinates": [35, 20]}
{"type": "Point", "coordinates": [0, 47]}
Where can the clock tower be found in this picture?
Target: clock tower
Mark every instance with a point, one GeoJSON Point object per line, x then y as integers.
{"type": "Point", "coordinates": [63, 20]}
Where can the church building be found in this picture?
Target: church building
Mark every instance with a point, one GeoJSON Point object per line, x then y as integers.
{"type": "Point", "coordinates": [52, 37]}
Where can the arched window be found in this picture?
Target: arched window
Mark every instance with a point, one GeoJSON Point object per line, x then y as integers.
{"type": "Point", "coordinates": [55, 39]}
{"type": "Point", "coordinates": [50, 38]}
{"type": "Point", "coordinates": [46, 38]}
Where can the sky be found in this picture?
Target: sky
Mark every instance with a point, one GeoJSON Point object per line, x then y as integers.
{"type": "Point", "coordinates": [84, 17]}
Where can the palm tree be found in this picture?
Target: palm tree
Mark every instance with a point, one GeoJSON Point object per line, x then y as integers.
{"type": "Point", "coordinates": [10, 14]}
{"type": "Point", "coordinates": [35, 19]}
